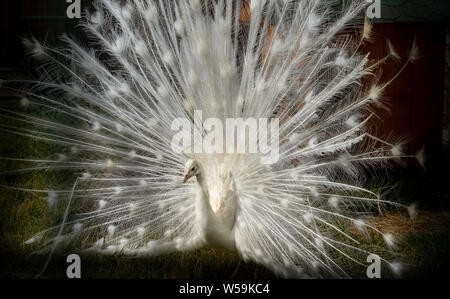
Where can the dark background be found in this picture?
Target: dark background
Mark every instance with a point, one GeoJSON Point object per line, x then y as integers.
{"type": "Point", "coordinates": [419, 111]}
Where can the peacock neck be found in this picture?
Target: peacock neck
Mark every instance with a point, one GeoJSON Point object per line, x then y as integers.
{"type": "Point", "coordinates": [204, 204]}
{"type": "Point", "coordinates": [201, 182]}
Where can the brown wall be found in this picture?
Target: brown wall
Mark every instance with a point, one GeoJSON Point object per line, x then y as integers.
{"type": "Point", "coordinates": [416, 97]}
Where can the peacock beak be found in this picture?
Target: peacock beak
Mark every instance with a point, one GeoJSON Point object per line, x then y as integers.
{"type": "Point", "coordinates": [186, 178]}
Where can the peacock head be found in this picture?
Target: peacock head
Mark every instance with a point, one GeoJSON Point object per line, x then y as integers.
{"type": "Point", "coordinates": [190, 169]}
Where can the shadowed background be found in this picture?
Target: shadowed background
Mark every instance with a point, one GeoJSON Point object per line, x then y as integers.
{"type": "Point", "coordinates": [418, 102]}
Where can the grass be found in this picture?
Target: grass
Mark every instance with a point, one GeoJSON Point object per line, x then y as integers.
{"type": "Point", "coordinates": [23, 214]}
{"type": "Point", "coordinates": [423, 245]}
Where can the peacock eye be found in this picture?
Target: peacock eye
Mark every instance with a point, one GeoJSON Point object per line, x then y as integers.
{"type": "Point", "coordinates": [193, 168]}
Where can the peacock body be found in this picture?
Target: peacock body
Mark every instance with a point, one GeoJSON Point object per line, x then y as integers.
{"type": "Point", "coordinates": [151, 62]}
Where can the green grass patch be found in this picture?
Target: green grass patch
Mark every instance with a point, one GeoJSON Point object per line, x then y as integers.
{"type": "Point", "coordinates": [22, 214]}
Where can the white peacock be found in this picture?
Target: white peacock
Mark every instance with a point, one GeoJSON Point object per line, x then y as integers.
{"type": "Point", "coordinates": [155, 61]}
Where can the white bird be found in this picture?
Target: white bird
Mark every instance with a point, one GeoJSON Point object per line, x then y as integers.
{"type": "Point", "coordinates": [215, 207]}
{"type": "Point", "coordinates": [155, 62]}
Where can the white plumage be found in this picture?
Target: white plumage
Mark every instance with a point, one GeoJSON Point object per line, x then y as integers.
{"type": "Point", "coordinates": [154, 61]}
{"type": "Point", "coordinates": [215, 205]}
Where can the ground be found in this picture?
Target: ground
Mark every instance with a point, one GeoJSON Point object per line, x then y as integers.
{"type": "Point", "coordinates": [423, 244]}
